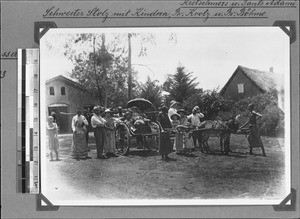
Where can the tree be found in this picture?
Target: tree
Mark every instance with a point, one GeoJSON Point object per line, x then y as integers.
{"type": "Point", "coordinates": [211, 103]}
{"type": "Point", "coordinates": [97, 56]}
{"type": "Point", "coordinates": [94, 71]}
{"type": "Point", "coordinates": [181, 85]}
{"type": "Point", "coordinates": [152, 92]}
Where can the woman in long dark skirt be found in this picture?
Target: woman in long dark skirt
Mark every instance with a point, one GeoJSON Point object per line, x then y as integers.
{"type": "Point", "coordinates": [165, 146]}
{"type": "Point", "coordinates": [253, 137]}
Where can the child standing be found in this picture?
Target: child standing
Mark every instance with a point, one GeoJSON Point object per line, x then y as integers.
{"type": "Point", "coordinates": [52, 131]}
{"type": "Point", "coordinates": [175, 120]}
{"type": "Point", "coordinates": [178, 143]}
{"type": "Point", "coordinates": [110, 141]}
{"type": "Point", "coordinates": [188, 143]}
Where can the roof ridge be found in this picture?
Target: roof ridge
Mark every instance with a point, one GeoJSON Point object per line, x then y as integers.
{"type": "Point", "coordinates": [61, 76]}
{"type": "Point", "coordinates": [264, 80]}
{"type": "Point", "coordinates": [254, 69]}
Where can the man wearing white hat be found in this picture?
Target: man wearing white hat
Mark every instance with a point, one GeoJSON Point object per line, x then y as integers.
{"type": "Point", "coordinates": [195, 120]}
{"type": "Point", "coordinates": [98, 124]}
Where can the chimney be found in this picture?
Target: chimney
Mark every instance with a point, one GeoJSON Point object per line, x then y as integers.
{"type": "Point", "coordinates": [271, 69]}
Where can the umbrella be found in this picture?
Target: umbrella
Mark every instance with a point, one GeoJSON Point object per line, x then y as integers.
{"type": "Point", "coordinates": [141, 103]}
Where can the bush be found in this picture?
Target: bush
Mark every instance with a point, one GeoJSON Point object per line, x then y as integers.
{"type": "Point", "coordinates": [272, 120]}
{"type": "Point", "coordinates": [215, 107]}
{"type": "Point", "coordinates": [210, 103]}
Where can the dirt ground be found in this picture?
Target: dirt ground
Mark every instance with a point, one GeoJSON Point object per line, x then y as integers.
{"type": "Point", "coordinates": [144, 175]}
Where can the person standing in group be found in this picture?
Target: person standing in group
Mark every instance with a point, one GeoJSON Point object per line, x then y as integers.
{"type": "Point", "coordinates": [98, 124]}
{"type": "Point", "coordinates": [88, 116]}
{"type": "Point", "coordinates": [110, 141]}
{"type": "Point", "coordinates": [53, 114]}
{"type": "Point", "coordinates": [164, 119]}
{"type": "Point", "coordinates": [173, 108]}
{"type": "Point", "coordinates": [120, 112]}
{"type": "Point", "coordinates": [175, 120]}
{"type": "Point", "coordinates": [138, 121]}
{"type": "Point", "coordinates": [79, 127]}
{"type": "Point", "coordinates": [52, 131]}
{"type": "Point", "coordinates": [165, 146]}
{"type": "Point", "coordinates": [195, 120]}
{"type": "Point", "coordinates": [183, 118]}
{"type": "Point", "coordinates": [253, 137]}
{"type": "Point", "coordinates": [179, 131]}
{"type": "Point", "coordinates": [188, 143]}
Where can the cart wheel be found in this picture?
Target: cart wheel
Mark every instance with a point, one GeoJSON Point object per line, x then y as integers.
{"type": "Point", "coordinates": [152, 142]}
{"type": "Point", "coordinates": [123, 139]}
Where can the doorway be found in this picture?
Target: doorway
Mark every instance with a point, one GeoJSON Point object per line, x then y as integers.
{"type": "Point", "coordinates": [61, 117]}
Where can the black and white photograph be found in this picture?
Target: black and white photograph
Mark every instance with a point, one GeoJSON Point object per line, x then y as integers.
{"type": "Point", "coordinates": [165, 116]}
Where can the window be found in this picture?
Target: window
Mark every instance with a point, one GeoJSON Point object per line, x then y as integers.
{"type": "Point", "coordinates": [63, 90]}
{"type": "Point", "coordinates": [51, 90]}
{"type": "Point", "coordinates": [240, 88]}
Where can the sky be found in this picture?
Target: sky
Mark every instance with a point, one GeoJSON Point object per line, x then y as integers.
{"type": "Point", "coordinates": [211, 54]}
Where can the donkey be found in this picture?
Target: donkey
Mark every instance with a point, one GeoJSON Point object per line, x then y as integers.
{"type": "Point", "coordinates": [221, 129]}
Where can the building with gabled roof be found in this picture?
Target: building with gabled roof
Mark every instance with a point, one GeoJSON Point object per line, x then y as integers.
{"type": "Point", "coordinates": [64, 96]}
{"type": "Point", "coordinates": [246, 82]}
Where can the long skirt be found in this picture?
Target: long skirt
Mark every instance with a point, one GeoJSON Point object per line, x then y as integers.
{"type": "Point", "coordinates": [178, 142]}
{"type": "Point", "coordinates": [165, 146]}
{"type": "Point", "coordinates": [188, 142]}
{"type": "Point", "coordinates": [53, 143]}
{"type": "Point", "coordinates": [254, 138]}
{"type": "Point", "coordinates": [79, 147]}
{"type": "Point", "coordinates": [109, 142]}
{"type": "Point", "coordinates": [99, 134]}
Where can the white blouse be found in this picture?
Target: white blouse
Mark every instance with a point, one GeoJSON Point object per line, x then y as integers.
{"type": "Point", "coordinates": [97, 121]}
{"type": "Point", "coordinates": [75, 119]}
{"type": "Point", "coordinates": [195, 119]}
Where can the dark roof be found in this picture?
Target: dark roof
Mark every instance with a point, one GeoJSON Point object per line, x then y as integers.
{"type": "Point", "coordinates": [264, 80]}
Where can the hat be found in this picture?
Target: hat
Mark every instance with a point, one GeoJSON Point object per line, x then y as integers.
{"type": "Point", "coordinates": [251, 107]}
{"type": "Point", "coordinates": [134, 108]}
{"type": "Point", "coordinates": [196, 108]}
{"type": "Point", "coordinates": [96, 108]}
{"type": "Point", "coordinates": [181, 111]}
{"type": "Point", "coordinates": [172, 103]}
{"type": "Point", "coordinates": [108, 111]}
{"type": "Point", "coordinates": [175, 114]}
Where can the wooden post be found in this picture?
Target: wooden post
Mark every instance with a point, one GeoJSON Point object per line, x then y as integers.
{"type": "Point", "coordinates": [129, 68]}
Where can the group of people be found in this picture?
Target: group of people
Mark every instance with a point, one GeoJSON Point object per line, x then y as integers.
{"type": "Point", "coordinates": [173, 120]}
{"type": "Point", "coordinates": [104, 132]}
{"type": "Point", "coordinates": [176, 121]}
{"type": "Point", "coordinates": [101, 122]}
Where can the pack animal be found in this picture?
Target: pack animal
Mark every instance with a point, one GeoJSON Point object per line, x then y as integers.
{"type": "Point", "coordinates": [220, 129]}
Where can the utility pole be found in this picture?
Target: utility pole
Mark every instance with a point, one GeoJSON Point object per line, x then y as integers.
{"type": "Point", "coordinates": [129, 68]}
{"type": "Point", "coordinates": [104, 66]}
{"type": "Point", "coordinates": [95, 70]}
